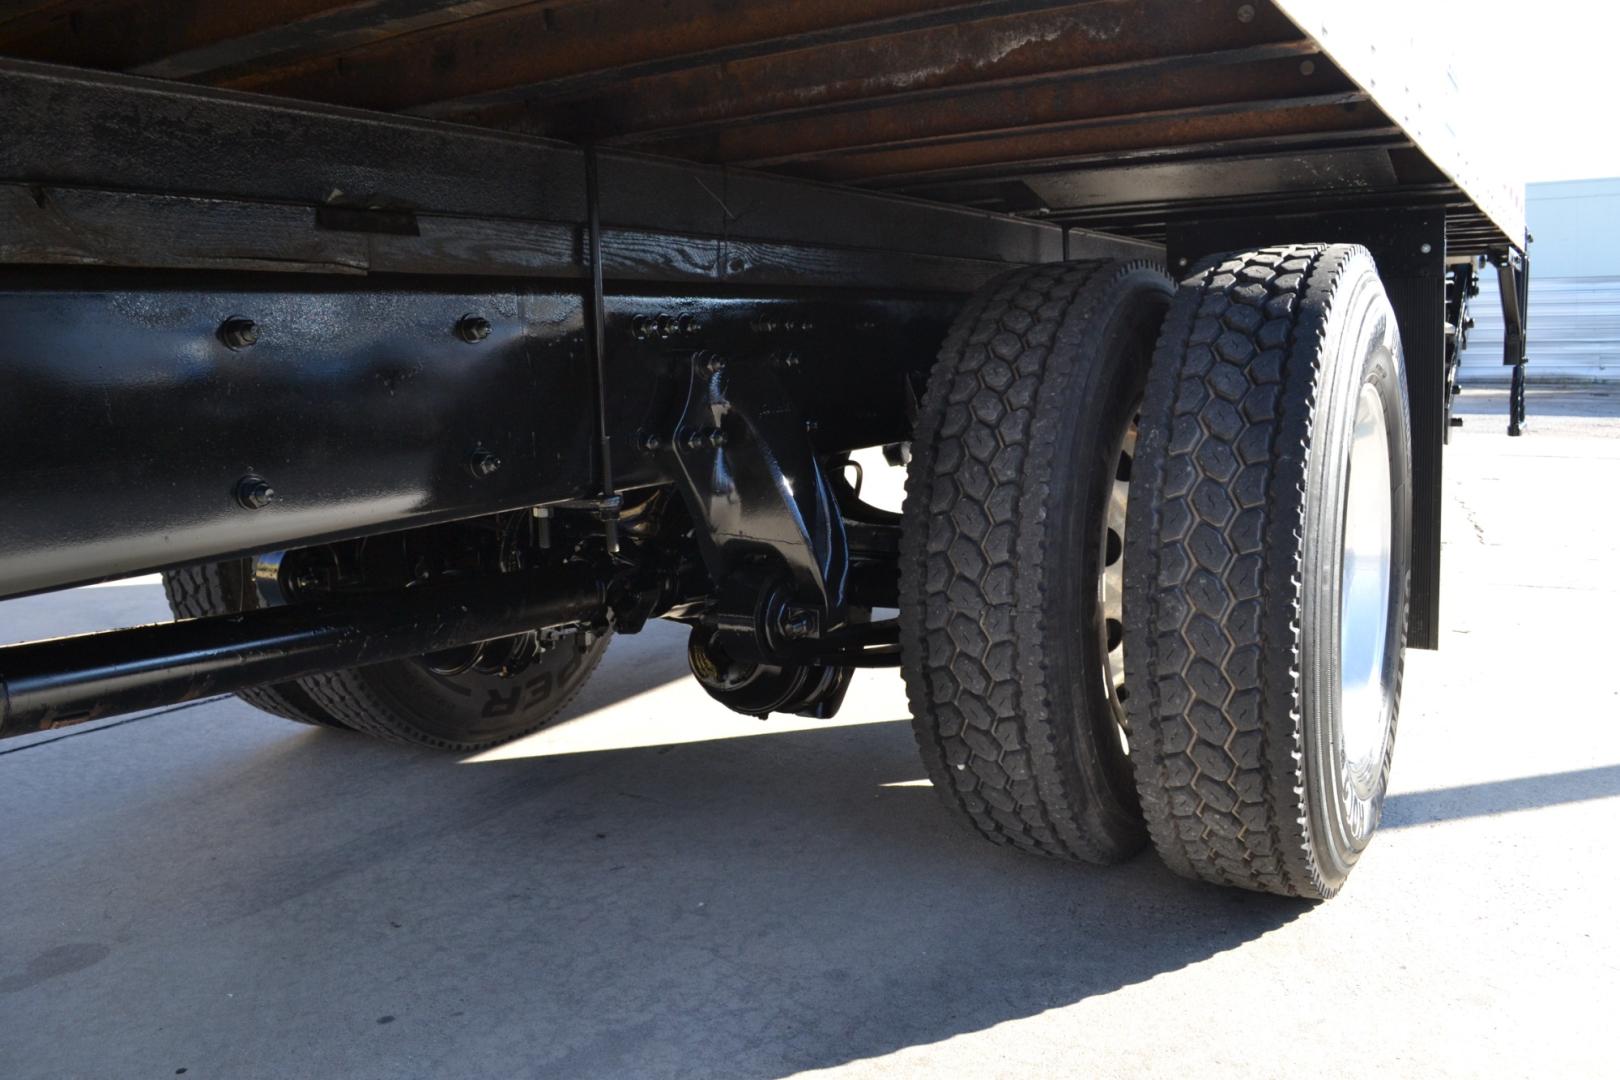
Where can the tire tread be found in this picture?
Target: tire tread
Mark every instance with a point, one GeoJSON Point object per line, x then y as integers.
{"type": "Point", "coordinates": [1212, 565]}
{"type": "Point", "coordinates": [974, 568]}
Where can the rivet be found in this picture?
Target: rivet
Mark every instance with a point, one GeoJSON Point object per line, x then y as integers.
{"type": "Point", "coordinates": [239, 333]}
{"type": "Point", "coordinates": [1245, 13]}
{"type": "Point", "coordinates": [254, 492]}
{"type": "Point", "coordinates": [1425, 248]}
{"type": "Point", "coordinates": [472, 329]}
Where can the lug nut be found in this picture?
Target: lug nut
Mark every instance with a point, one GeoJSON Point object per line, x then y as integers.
{"type": "Point", "coordinates": [483, 463]}
{"type": "Point", "coordinates": [254, 492]}
{"type": "Point", "coordinates": [472, 329]}
{"type": "Point", "coordinates": [798, 623]}
{"type": "Point", "coordinates": [239, 333]}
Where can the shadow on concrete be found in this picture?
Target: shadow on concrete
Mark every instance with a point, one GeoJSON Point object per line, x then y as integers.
{"type": "Point", "coordinates": [748, 906]}
{"type": "Point", "coordinates": [1500, 796]}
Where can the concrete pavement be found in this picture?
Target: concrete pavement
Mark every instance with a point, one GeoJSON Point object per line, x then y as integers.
{"type": "Point", "coordinates": [656, 887]}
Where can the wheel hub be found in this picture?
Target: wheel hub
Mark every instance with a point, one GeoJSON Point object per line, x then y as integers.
{"type": "Point", "coordinates": [1111, 580]}
{"type": "Point", "coordinates": [1365, 591]}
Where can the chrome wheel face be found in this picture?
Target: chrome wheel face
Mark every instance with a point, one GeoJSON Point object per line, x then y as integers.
{"type": "Point", "coordinates": [1364, 595]}
{"type": "Point", "coordinates": [1111, 580]}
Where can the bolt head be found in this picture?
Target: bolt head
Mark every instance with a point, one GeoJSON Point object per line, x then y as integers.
{"type": "Point", "coordinates": [1245, 13]}
{"type": "Point", "coordinates": [472, 329]}
{"type": "Point", "coordinates": [798, 623]}
{"type": "Point", "coordinates": [239, 333]}
{"type": "Point", "coordinates": [483, 463]}
{"type": "Point", "coordinates": [254, 492]}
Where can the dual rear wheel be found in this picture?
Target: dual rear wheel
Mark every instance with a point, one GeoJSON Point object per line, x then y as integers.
{"type": "Point", "coordinates": [1154, 566]}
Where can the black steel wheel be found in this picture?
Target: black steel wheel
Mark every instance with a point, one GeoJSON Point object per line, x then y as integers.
{"type": "Point", "coordinates": [1266, 569]}
{"type": "Point", "coordinates": [1005, 556]}
{"type": "Point", "coordinates": [462, 700]}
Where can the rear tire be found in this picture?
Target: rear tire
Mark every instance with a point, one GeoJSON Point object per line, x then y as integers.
{"type": "Point", "coordinates": [225, 588]}
{"type": "Point", "coordinates": [404, 701]}
{"type": "Point", "coordinates": [1002, 549]}
{"type": "Point", "coordinates": [1265, 578]}
{"type": "Point", "coordinates": [401, 700]}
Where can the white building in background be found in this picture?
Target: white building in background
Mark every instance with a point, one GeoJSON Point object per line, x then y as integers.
{"type": "Point", "coordinates": [1574, 289]}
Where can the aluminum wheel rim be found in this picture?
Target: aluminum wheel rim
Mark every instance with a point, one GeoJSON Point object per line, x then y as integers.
{"type": "Point", "coordinates": [1364, 589]}
{"type": "Point", "coordinates": [1111, 582]}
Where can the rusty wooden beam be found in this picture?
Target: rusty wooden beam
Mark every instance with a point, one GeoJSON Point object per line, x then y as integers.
{"type": "Point", "coordinates": [16, 9]}
{"type": "Point", "coordinates": [1121, 90]}
{"type": "Point", "coordinates": [1009, 152]}
{"type": "Point", "coordinates": [1026, 43]}
{"type": "Point", "coordinates": [117, 34]}
{"type": "Point", "coordinates": [181, 38]}
{"type": "Point", "coordinates": [351, 26]}
{"type": "Point", "coordinates": [541, 43]}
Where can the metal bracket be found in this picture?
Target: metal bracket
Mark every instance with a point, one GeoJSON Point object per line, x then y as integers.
{"type": "Point", "coordinates": [749, 475]}
{"type": "Point", "coordinates": [1513, 280]}
{"type": "Point", "coordinates": [611, 503]}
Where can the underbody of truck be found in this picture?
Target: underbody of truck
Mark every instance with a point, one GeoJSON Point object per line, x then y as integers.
{"type": "Point", "coordinates": [424, 346]}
